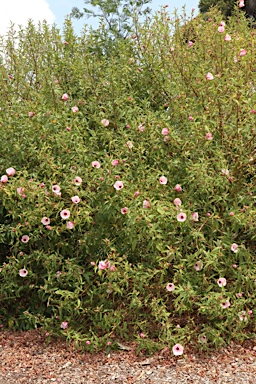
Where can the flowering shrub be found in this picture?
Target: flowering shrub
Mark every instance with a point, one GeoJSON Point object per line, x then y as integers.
{"type": "Point", "coordinates": [128, 185]}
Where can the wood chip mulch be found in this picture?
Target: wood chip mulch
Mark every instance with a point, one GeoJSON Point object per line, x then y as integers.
{"type": "Point", "coordinates": [25, 358]}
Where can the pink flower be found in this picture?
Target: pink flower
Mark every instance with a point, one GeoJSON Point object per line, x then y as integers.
{"type": "Point", "coordinates": [67, 128]}
{"type": "Point", "coordinates": [25, 239]}
{"type": "Point", "coordinates": [239, 295]}
{"type": "Point", "coordinates": [203, 339]}
{"type": "Point", "coordinates": [87, 342]}
{"type": "Point", "coordinates": [222, 24]}
{"type": "Point", "coordinates": [241, 4]}
{"type": "Point", "coordinates": [208, 136]}
{"type": "Point", "coordinates": [221, 282]}
{"type": "Point", "coordinates": [23, 272]}
{"type": "Point", "coordinates": [190, 118]}
{"type": "Point", "coordinates": [42, 185]}
{"type": "Point", "coordinates": [65, 97]}
{"type": "Point", "coordinates": [112, 268]}
{"type": "Point", "coordinates": [165, 131]}
{"type": "Point", "coordinates": [142, 335]}
{"type": "Point", "coordinates": [96, 164]}
{"type": "Point", "coordinates": [225, 304]}
{"type": "Point", "coordinates": [190, 43]}
{"type": "Point", "coordinates": [170, 287]}
{"type": "Point", "coordinates": [234, 247]}
{"type": "Point", "coordinates": [242, 316]}
{"type": "Point", "coordinates": [4, 179]}
{"type": "Point", "coordinates": [177, 188]}
{"type": "Point", "coordinates": [234, 266]}
{"type": "Point", "coordinates": [177, 202]}
{"type": "Point", "coordinates": [209, 76]}
{"type": "Point", "coordinates": [198, 266]}
{"type": "Point", "coordinates": [208, 214]}
{"type": "Point", "coordinates": [103, 265]}
{"type": "Point", "coordinates": [146, 204]}
{"type": "Point", "coordinates": [75, 199]}
{"type": "Point", "coordinates": [105, 122]}
{"type": "Point", "coordinates": [141, 128]}
{"type": "Point", "coordinates": [10, 171]}
{"type": "Point", "coordinates": [221, 29]}
{"type": "Point", "coordinates": [77, 180]}
{"type": "Point", "coordinates": [242, 52]}
{"type": "Point", "coordinates": [74, 109]}
{"type": "Point", "coordinates": [56, 189]}
{"type": "Point", "coordinates": [118, 185]}
{"type": "Point", "coordinates": [195, 216]}
{"type": "Point", "coordinates": [64, 325]}
{"type": "Point", "coordinates": [163, 180]}
{"type": "Point", "coordinates": [124, 211]}
{"type": "Point", "coordinates": [231, 214]}
{"type": "Point", "coordinates": [48, 227]}
{"type": "Point", "coordinates": [20, 190]}
{"type": "Point", "coordinates": [45, 220]}
{"type": "Point", "coordinates": [70, 225]}
{"type": "Point", "coordinates": [64, 214]}
{"type": "Point", "coordinates": [129, 144]}
{"type": "Point", "coordinates": [225, 172]}
{"type": "Point", "coordinates": [177, 350]}
{"type": "Point", "coordinates": [136, 193]}
{"type": "Point", "coordinates": [227, 37]}
{"type": "Point", "coordinates": [31, 114]}
{"type": "Point", "coordinates": [181, 217]}
{"type": "Point", "coordinates": [115, 163]}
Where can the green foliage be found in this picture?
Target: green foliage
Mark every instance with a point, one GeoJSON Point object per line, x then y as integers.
{"type": "Point", "coordinates": [144, 110]}
{"type": "Point", "coordinates": [118, 16]}
{"type": "Point", "coordinates": [225, 6]}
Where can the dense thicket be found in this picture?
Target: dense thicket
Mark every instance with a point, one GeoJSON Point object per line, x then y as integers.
{"type": "Point", "coordinates": [128, 189]}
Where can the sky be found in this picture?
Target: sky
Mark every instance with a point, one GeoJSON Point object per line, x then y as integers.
{"type": "Point", "coordinates": [54, 11]}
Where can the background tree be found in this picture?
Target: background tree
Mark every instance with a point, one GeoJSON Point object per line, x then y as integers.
{"type": "Point", "coordinates": [118, 15]}
{"type": "Point", "coordinates": [227, 6]}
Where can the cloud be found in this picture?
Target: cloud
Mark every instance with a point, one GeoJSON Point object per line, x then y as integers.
{"type": "Point", "coordinates": [19, 11]}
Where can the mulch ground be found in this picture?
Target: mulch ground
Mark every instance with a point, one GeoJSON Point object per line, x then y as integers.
{"type": "Point", "coordinates": [26, 358]}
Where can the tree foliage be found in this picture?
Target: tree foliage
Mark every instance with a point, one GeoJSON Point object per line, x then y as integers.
{"type": "Point", "coordinates": [118, 15]}
{"type": "Point", "coordinates": [227, 6]}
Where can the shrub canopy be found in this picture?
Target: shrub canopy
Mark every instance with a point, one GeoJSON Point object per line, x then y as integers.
{"type": "Point", "coordinates": [131, 214]}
